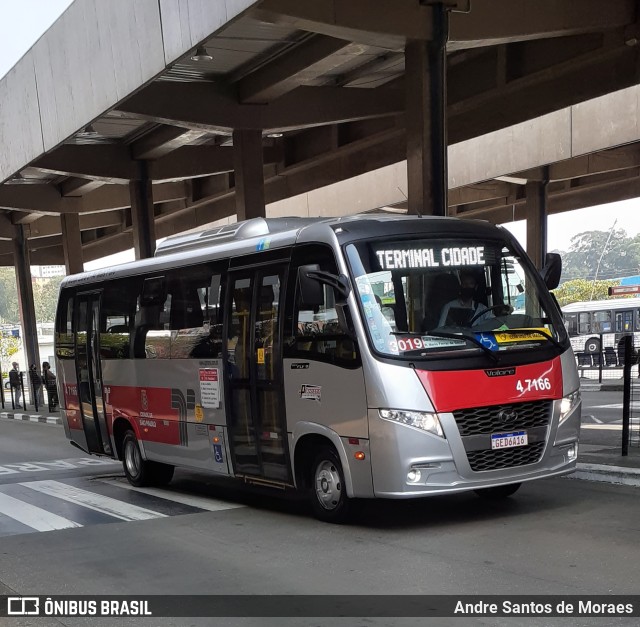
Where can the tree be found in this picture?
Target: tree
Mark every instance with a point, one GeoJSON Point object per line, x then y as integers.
{"type": "Point", "coordinates": [45, 298]}
{"type": "Point", "coordinates": [621, 255]}
{"type": "Point", "coordinates": [9, 346]}
{"type": "Point", "coordinates": [580, 289]}
{"type": "Point", "coordinates": [8, 295]}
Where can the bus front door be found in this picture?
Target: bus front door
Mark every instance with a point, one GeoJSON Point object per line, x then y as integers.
{"type": "Point", "coordinates": [89, 373]}
{"type": "Point", "coordinates": [255, 399]}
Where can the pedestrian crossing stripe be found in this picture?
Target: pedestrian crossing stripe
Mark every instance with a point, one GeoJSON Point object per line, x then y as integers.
{"type": "Point", "coordinates": [54, 505]}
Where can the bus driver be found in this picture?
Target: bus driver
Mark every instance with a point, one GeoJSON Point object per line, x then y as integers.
{"type": "Point", "coordinates": [463, 309]}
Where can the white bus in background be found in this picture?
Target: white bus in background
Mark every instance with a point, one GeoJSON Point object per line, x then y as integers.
{"type": "Point", "coordinates": [596, 325]}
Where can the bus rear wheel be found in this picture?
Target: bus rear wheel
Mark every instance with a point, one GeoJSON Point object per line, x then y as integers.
{"type": "Point", "coordinates": [499, 492]}
{"type": "Point", "coordinates": [141, 472]}
{"type": "Point", "coordinates": [328, 492]}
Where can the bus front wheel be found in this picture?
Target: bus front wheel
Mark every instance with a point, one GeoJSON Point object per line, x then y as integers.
{"type": "Point", "coordinates": [592, 345]}
{"type": "Point", "coordinates": [328, 491]}
{"type": "Point", "coordinates": [141, 472]}
{"type": "Point", "coordinates": [499, 492]}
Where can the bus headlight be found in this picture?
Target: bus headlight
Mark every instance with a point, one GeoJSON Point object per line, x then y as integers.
{"type": "Point", "coordinates": [567, 404]}
{"type": "Point", "coordinates": [418, 419]}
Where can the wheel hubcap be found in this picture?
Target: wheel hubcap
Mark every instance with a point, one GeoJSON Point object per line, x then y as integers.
{"type": "Point", "coordinates": [132, 458]}
{"type": "Point", "coordinates": [328, 485]}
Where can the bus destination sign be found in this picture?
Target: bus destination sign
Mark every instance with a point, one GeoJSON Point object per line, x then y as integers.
{"type": "Point", "coordinates": [455, 256]}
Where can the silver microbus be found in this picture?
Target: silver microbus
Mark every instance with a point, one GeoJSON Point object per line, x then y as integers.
{"type": "Point", "coordinates": [359, 357]}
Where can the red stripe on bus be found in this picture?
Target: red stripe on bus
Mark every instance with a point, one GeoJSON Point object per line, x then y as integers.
{"type": "Point", "coordinates": [459, 389]}
{"type": "Point", "coordinates": [148, 409]}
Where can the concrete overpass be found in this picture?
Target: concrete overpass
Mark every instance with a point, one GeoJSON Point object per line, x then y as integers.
{"type": "Point", "coordinates": [129, 121]}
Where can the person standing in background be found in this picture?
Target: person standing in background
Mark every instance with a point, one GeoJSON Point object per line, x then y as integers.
{"type": "Point", "coordinates": [36, 383]}
{"type": "Point", "coordinates": [49, 380]}
{"type": "Point", "coordinates": [14, 382]}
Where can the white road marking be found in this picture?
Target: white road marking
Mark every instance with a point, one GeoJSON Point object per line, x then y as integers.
{"type": "Point", "coordinates": [91, 500]}
{"type": "Point", "coordinates": [604, 427]}
{"type": "Point", "coordinates": [202, 502]}
{"type": "Point", "coordinates": [32, 516]}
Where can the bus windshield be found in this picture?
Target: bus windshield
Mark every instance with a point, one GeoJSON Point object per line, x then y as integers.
{"type": "Point", "coordinates": [425, 297]}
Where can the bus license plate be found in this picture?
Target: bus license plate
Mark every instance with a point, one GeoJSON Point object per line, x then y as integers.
{"type": "Point", "coordinates": [508, 440]}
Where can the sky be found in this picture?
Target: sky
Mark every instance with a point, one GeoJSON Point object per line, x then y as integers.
{"type": "Point", "coordinates": [22, 22]}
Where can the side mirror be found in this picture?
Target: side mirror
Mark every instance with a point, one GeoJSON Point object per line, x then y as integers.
{"type": "Point", "coordinates": [312, 279]}
{"type": "Point", "coordinates": [310, 289]}
{"type": "Point", "coordinates": [552, 270]}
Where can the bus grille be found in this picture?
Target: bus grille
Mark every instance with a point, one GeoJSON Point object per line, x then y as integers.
{"type": "Point", "coordinates": [478, 420]}
{"type": "Point", "coordinates": [505, 458]}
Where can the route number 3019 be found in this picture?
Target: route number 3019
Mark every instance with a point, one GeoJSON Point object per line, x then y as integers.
{"type": "Point", "coordinates": [527, 385]}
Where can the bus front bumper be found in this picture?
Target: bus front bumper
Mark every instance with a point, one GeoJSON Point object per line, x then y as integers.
{"type": "Point", "coordinates": [409, 463]}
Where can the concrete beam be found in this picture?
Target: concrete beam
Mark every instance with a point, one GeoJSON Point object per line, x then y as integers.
{"type": "Point", "coordinates": [309, 59]}
{"type": "Point", "coordinates": [387, 26]}
{"type": "Point", "coordinates": [72, 244]}
{"type": "Point", "coordinates": [74, 186]}
{"type": "Point", "coordinates": [249, 174]}
{"type": "Point", "coordinates": [108, 163]}
{"type": "Point", "coordinates": [161, 141]}
{"type": "Point", "coordinates": [493, 22]}
{"type": "Point", "coordinates": [44, 198]}
{"type": "Point", "coordinates": [172, 103]}
{"type": "Point", "coordinates": [192, 161]}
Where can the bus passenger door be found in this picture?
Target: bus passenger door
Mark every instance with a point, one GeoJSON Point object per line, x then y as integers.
{"type": "Point", "coordinates": [89, 373]}
{"type": "Point", "coordinates": [255, 406]}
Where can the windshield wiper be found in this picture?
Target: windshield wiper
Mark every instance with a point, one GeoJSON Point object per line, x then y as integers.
{"type": "Point", "coordinates": [448, 334]}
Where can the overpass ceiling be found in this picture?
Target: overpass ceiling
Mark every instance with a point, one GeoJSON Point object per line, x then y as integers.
{"type": "Point", "coordinates": [330, 77]}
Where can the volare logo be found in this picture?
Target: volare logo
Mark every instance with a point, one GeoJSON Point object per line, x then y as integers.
{"type": "Point", "coordinates": [500, 372]}
{"type": "Point", "coordinates": [144, 401]}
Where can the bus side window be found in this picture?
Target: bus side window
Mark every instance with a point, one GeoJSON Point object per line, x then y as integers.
{"type": "Point", "coordinates": [117, 315]}
{"type": "Point", "coordinates": [65, 346]}
{"type": "Point", "coordinates": [151, 340]}
{"type": "Point", "coordinates": [316, 332]}
{"type": "Point", "coordinates": [571, 323]}
{"type": "Point", "coordinates": [602, 321]}
{"type": "Point", "coordinates": [584, 322]}
{"type": "Point", "coordinates": [196, 313]}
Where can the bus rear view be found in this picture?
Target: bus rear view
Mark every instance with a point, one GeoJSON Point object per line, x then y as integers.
{"type": "Point", "coordinates": [361, 357]}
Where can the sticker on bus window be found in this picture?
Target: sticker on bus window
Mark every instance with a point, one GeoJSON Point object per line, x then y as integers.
{"type": "Point", "coordinates": [311, 392]}
{"type": "Point", "coordinates": [522, 335]}
{"type": "Point", "coordinates": [199, 413]}
{"type": "Point", "coordinates": [209, 387]}
{"type": "Point", "coordinates": [261, 355]}
{"type": "Point", "coordinates": [408, 343]}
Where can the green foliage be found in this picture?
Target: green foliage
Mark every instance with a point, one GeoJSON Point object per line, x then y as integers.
{"type": "Point", "coordinates": [9, 346]}
{"type": "Point", "coordinates": [8, 296]}
{"type": "Point", "coordinates": [621, 256]}
{"type": "Point", "coordinates": [45, 297]}
{"type": "Point", "coordinates": [580, 289]}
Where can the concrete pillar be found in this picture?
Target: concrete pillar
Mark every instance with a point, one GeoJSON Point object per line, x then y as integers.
{"type": "Point", "coordinates": [426, 104]}
{"type": "Point", "coordinates": [536, 210]}
{"type": "Point", "coordinates": [142, 216]}
{"type": "Point", "coordinates": [25, 301]}
{"type": "Point", "coordinates": [248, 167]}
{"type": "Point", "coordinates": [72, 243]}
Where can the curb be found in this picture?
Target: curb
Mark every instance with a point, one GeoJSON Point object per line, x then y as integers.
{"type": "Point", "coordinates": [607, 474]}
{"type": "Point", "coordinates": [50, 420]}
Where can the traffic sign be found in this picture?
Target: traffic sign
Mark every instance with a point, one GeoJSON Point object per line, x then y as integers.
{"type": "Point", "coordinates": [620, 290]}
